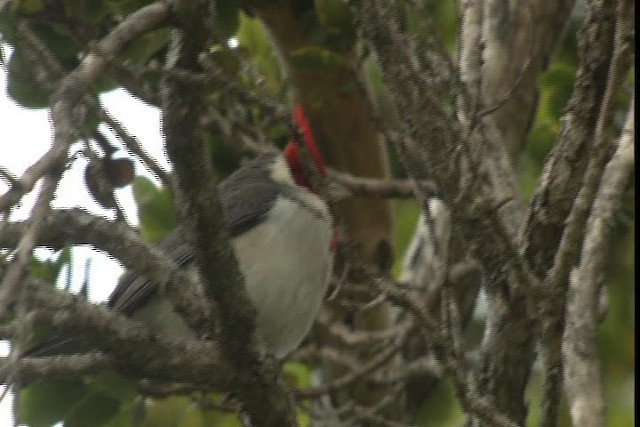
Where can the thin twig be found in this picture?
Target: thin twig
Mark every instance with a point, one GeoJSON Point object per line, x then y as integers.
{"type": "Point", "coordinates": [353, 376]}
{"type": "Point", "coordinates": [372, 187]}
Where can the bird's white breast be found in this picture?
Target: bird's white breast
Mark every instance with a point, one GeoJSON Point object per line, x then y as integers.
{"type": "Point", "coordinates": [286, 261]}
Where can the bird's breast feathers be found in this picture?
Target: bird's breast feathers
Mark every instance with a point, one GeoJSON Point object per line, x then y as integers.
{"type": "Point", "coordinates": [287, 261]}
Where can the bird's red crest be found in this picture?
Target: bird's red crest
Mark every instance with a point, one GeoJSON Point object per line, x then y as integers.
{"type": "Point", "coordinates": [292, 154]}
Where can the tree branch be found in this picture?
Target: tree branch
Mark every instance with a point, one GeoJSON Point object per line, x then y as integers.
{"type": "Point", "coordinates": [555, 285]}
{"type": "Point", "coordinates": [474, 177]}
{"type": "Point", "coordinates": [472, 401]}
{"type": "Point", "coordinates": [366, 369]}
{"type": "Point", "coordinates": [579, 349]}
{"type": "Point", "coordinates": [263, 396]}
{"type": "Point", "coordinates": [137, 351]}
{"type": "Point", "coordinates": [30, 370]}
{"type": "Point", "coordinates": [74, 226]}
{"type": "Point", "coordinates": [517, 43]}
{"type": "Point", "coordinates": [372, 187]}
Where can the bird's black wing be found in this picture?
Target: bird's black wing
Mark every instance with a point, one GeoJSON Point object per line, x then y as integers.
{"type": "Point", "coordinates": [134, 290]}
{"type": "Point", "coordinates": [246, 196]}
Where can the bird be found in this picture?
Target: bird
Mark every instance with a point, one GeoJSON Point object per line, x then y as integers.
{"type": "Point", "coordinates": [283, 235]}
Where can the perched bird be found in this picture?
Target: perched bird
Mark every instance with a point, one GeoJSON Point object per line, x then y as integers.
{"type": "Point", "coordinates": [282, 233]}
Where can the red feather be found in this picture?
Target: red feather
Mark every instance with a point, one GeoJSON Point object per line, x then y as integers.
{"type": "Point", "coordinates": [293, 156]}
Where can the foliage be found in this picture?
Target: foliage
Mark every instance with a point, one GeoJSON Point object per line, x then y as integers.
{"type": "Point", "coordinates": [154, 208]}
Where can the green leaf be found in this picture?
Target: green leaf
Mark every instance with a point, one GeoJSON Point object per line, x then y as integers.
{"type": "Point", "coordinates": [22, 86]}
{"type": "Point", "coordinates": [87, 11]}
{"type": "Point", "coordinates": [146, 46]}
{"type": "Point", "coordinates": [124, 416]}
{"type": "Point", "coordinates": [166, 412]}
{"type": "Point", "coordinates": [49, 270]}
{"type": "Point", "coordinates": [334, 15]}
{"type": "Point", "coordinates": [218, 418]}
{"type": "Point", "coordinates": [113, 385]}
{"type": "Point", "coordinates": [95, 11]}
{"type": "Point", "coordinates": [91, 123]}
{"type": "Point", "coordinates": [193, 416]}
{"type": "Point", "coordinates": [541, 139]}
{"type": "Point", "coordinates": [104, 83]}
{"type": "Point", "coordinates": [279, 134]}
{"type": "Point", "coordinates": [228, 17]}
{"type": "Point", "coordinates": [93, 409]}
{"type": "Point", "coordinates": [8, 28]}
{"type": "Point", "coordinates": [226, 59]}
{"type": "Point", "coordinates": [556, 85]}
{"type": "Point", "coordinates": [254, 41]}
{"type": "Point", "coordinates": [225, 158]}
{"type": "Point", "coordinates": [297, 374]}
{"type": "Point", "coordinates": [76, 402]}
{"type": "Point", "coordinates": [406, 213]}
{"type": "Point", "coordinates": [125, 7]}
{"type": "Point", "coordinates": [44, 404]}
{"type": "Point", "coordinates": [60, 39]}
{"type": "Point", "coordinates": [314, 58]}
{"type": "Point", "coordinates": [28, 6]}
{"type": "Point", "coordinates": [304, 418]}
{"type": "Point", "coordinates": [155, 209]}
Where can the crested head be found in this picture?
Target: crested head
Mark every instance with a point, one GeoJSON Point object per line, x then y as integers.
{"type": "Point", "coordinates": [292, 152]}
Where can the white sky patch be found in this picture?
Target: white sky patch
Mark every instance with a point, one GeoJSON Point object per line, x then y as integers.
{"type": "Point", "coordinates": [233, 43]}
{"type": "Point", "coordinates": [25, 135]}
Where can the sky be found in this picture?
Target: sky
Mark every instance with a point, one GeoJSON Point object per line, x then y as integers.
{"type": "Point", "coordinates": [26, 134]}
